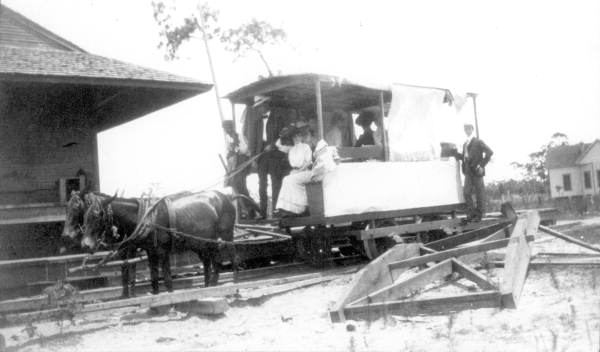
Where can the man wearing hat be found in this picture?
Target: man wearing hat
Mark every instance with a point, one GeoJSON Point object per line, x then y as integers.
{"type": "Point", "coordinates": [263, 131]}
{"type": "Point", "coordinates": [475, 156]}
{"type": "Point", "coordinates": [237, 157]}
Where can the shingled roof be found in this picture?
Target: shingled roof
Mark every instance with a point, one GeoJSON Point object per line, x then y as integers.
{"type": "Point", "coordinates": [565, 155]}
{"type": "Point", "coordinates": [81, 67]}
{"type": "Point", "coordinates": [31, 52]}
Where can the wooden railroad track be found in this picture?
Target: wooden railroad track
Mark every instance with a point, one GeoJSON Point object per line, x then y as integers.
{"type": "Point", "coordinates": [274, 280]}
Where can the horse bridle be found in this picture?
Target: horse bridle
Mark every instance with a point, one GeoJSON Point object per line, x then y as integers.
{"type": "Point", "coordinates": [108, 223]}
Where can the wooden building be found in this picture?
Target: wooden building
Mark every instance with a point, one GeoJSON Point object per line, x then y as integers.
{"type": "Point", "coordinates": [574, 170]}
{"type": "Point", "coordinates": [54, 99]}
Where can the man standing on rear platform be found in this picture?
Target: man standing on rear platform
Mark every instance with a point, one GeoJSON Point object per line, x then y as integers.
{"type": "Point", "coordinates": [475, 156]}
{"type": "Point", "coordinates": [264, 129]}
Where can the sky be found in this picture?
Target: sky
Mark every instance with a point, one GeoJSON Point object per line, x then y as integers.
{"type": "Point", "coordinates": [535, 66]}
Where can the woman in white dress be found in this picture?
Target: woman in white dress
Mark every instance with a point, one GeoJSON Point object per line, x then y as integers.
{"type": "Point", "coordinates": [292, 197]}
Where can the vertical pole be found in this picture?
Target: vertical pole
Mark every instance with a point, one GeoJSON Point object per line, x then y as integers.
{"type": "Point", "coordinates": [96, 162]}
{"type": "Point", "coordinates": [233, 116]}
{"type": "Point", "coordinates": [474, 96]}
{"type": "Point", "coordinates": [210, 64]}
{"type": "Point", "coordinates": [236, 203]}
{"type": "Point", "coordinates": [384, 141]}
{"type": "Point", "coordinates": [319, 108]}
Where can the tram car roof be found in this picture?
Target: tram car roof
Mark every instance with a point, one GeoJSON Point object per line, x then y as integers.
{"type": "Point", "coordinates": [299, 90]}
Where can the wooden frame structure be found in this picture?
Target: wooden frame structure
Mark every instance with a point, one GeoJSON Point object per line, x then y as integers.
{"type": "Point", "coordinates": [378, 290]}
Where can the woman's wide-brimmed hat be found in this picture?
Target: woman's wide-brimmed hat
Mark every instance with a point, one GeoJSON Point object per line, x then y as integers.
{"type": "Point", "coordinates": [321, 146]}
{"type": "Point", "coordinates": [365, 118]}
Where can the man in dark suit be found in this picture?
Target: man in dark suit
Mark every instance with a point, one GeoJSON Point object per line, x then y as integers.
{"type": "Point", "coordinates": [263, 128]}
{"type": "Point", "coordinates": [475, 156]}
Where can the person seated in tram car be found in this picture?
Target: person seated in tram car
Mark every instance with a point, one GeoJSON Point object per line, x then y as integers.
{"type": "Point", "coordinates": [293, 200]}
{"type": "Point", "coordinates": [306, 118]}
{"type": "Point", "coordinates": [284, 143]}
{"type": "Point", "coordinates": [364, 120]}
{"type": "Point", "coordinates": [338, 134]}
{"type": "Point", "coordinates": [292, 197]}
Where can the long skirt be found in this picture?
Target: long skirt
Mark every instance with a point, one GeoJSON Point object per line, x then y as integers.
{"type": "Point", "coordinates": [292, 196]}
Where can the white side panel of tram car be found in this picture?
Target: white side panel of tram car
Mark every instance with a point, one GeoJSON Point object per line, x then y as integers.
{"type": "Point", "coordinates": [355, 188]}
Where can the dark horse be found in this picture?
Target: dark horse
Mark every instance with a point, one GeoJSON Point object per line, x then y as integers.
{"type": "Point", "coordinates": [125, 221]}
{"type": "Point", "coordinates": [201, 222]}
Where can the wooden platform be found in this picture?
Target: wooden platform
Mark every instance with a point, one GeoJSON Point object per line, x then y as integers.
{"type": "Point", "coordinates": [32, 213]}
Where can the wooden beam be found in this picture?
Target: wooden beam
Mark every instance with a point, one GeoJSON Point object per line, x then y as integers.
{"type": "Point", "coordinates": [189, 294]}
{"type": "Point", "coordinates": [567, 254]}
{"type": "Point", "coordinates": [409, 286]}
{"type": "Point", "coordinates": [433, 306]}
{"type": "Point", "coordinates": [373, 277]}
{"type": "Point", "coordinates": [478, 258]}
{"type": "Point", "coordinates": [453, 241]}
{"type": "Point", "coordinates": [455, 252]}
{"type": "Point", "coordinates": [206, 305]}
{"type": "Point", "coordinates": [194, 294]}
{"type": "Point", "coordinates": [375, 215]}
{"type": "Point", "coordinates": [261, 294]}
{"type": "Point", "coordinates": [39, 302]}
{"type": "Point", "coordinates": [319, 107]}
{"type": "Point", "coordinates": [517, 259]}
{"type": "Point", "coordinates": [471, 274]}
{"type": "Point", "coordinates": [386, 147]}
{"type": "Point", "coordinates": [474, 97]}
{"type": "Point", "coordinates": [269, 233]}
{"type": "Point", "coordinates": [498, 235]}
{"type": "Point", "coordinates": [426, 250]}
{"type": "Point", "coordinates": [545, 262]}
{"type": "Point", "coordinates": [109, 264]}
{"type": "Point", "coordinates": [57, 260]}
{"type": "Point", "coordinates": [568, 238]}
{"type": "Point", "coordinates": [27, 215]}
{"type": "Point", "coordinates": [410, 228]}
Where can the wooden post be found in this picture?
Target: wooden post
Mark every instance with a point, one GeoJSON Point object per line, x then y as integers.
{"type": "Point", "coordinates": [384, 140]}
{"type": "Point", "coordinates": [319, 108]}
{"type": "Point", "coordinates": [96, 174]}
{"type": "Point", "coordinates": [233, 116]}
{"type": "Point", "coordinates": [474, 96]}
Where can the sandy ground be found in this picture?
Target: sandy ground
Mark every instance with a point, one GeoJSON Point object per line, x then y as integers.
{"type": "Point", "coordinates": [559, 311]}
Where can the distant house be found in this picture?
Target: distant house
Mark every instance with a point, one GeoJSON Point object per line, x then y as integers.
{"type": "Point", "coordinates": [574, 170]}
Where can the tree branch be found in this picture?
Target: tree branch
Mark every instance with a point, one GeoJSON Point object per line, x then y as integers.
{"type": "Point", "coordinates": [260, 54]}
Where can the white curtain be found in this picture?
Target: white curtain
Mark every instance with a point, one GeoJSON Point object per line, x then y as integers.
{"type": "Point", "coordinates": [422, 118]}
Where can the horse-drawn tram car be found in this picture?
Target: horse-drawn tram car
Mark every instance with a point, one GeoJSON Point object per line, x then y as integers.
{"type": "Point", "coordinates": [401, 186]}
